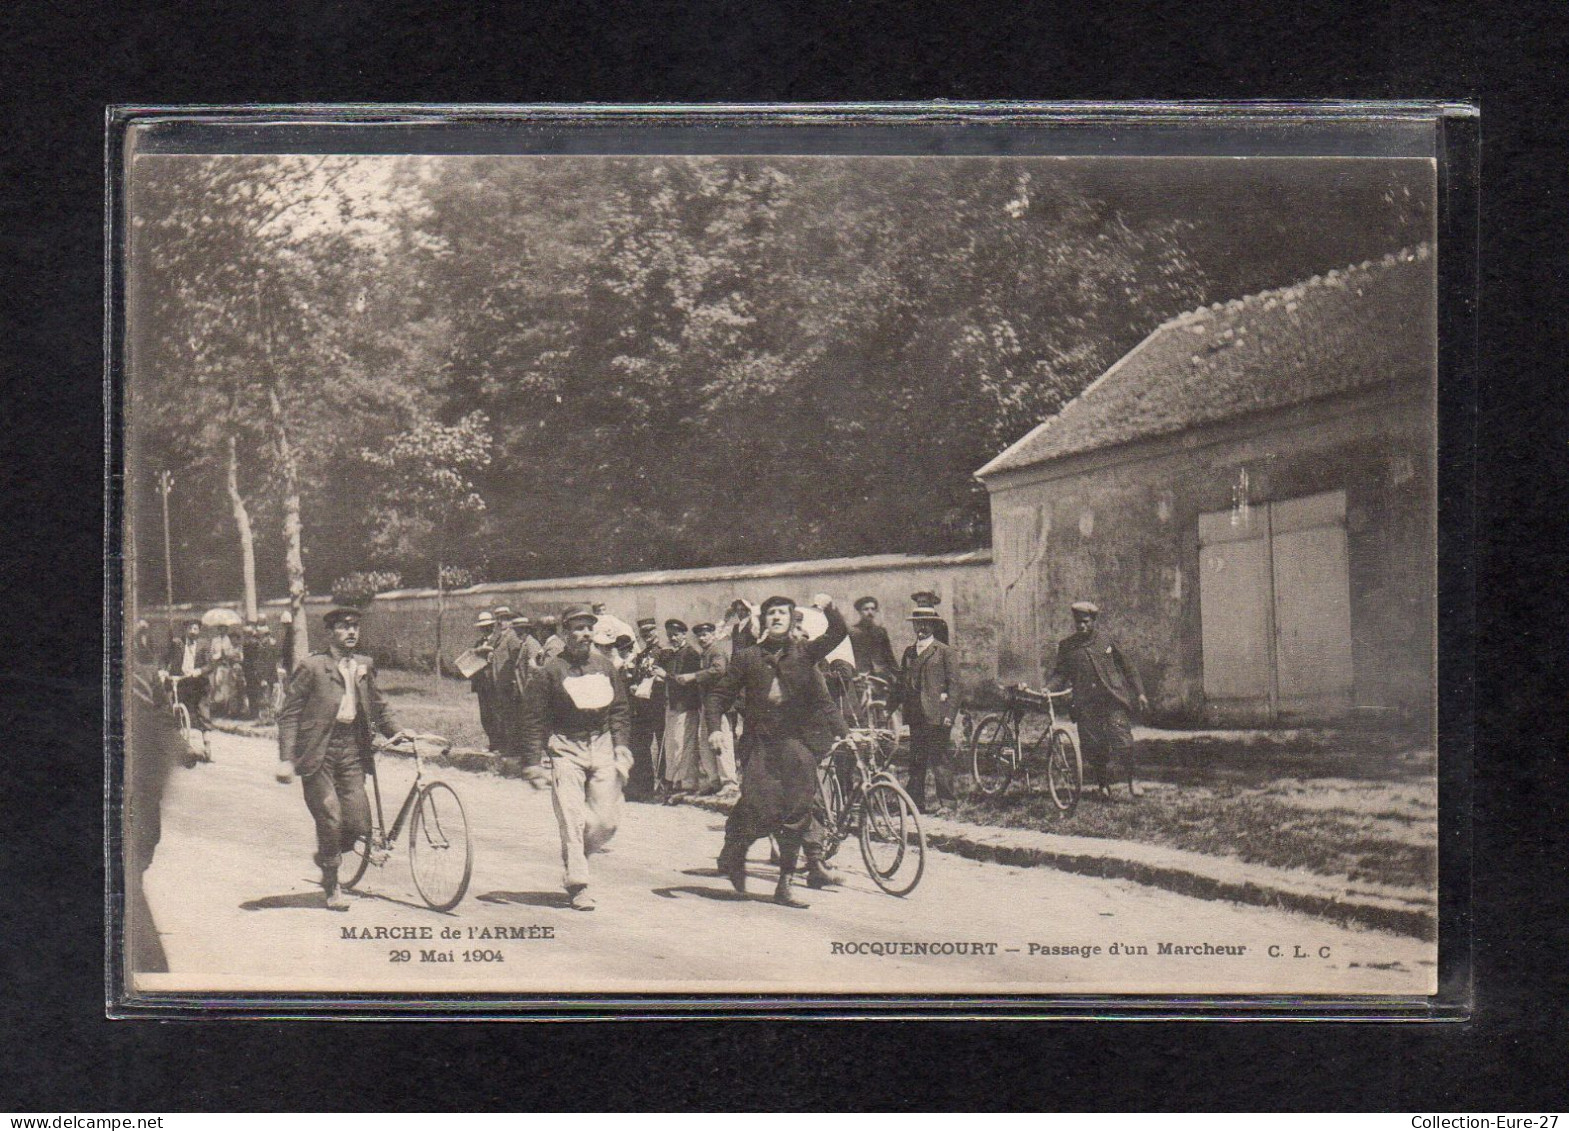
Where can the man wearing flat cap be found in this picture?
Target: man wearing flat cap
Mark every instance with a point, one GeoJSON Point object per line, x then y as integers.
{"type": "Point", "coordinates": [789, 722]}
{"type": "Point", "coordinates": [679, 664]}
{"type": "Point", "coordinates": [330, 712]}
{"type": "Point", "coordinates": [1106, 695]}
{"type": "Point", "coordinates": [577, 705]}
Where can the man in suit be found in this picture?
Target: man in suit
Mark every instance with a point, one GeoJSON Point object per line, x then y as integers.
{"type": "Point", "coordinates": [646, 692]}
{"type": "Point", "coordinates": [928, 691]}
{"type": "Point", "coordinates": [528, 654]}
{"type": "Point", "coordinates": [1106, 694]}
{"type": "Point", "coordinates": [790, 721]}
{"type": "Point", "coordinates": [188, 662]}
{"type": "Point", "coordinates": [680, 664]}
{"type": "Point", "coordinates": [483, 682]}
{"type": "Point", "coordinates": [718, 762]}
{"type": "Point", "coordinates": [330, 711]}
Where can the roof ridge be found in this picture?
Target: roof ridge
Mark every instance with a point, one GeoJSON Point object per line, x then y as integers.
{"type": "Point", "coordinates": [1416, 251]}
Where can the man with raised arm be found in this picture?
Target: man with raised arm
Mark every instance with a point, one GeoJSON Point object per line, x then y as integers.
{"type": "Point", "coordinates": [789, 723]}
{"type": "Point", "coordinates": [330, 711]}
{"type": "Point", "coordinates": [577, 705]}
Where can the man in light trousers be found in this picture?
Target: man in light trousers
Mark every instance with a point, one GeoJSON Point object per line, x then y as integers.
{"type": "Point", "coordinates": [577, 704]}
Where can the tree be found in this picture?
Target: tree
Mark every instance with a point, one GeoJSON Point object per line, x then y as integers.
{"type": "Point", "coordinates": [426, 501]}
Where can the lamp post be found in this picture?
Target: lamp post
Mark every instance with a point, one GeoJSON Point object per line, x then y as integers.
{"type": "Point", "coordinates": [165, 485]}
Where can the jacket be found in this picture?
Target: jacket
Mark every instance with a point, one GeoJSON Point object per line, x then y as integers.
{"type": "Point", "coordinates": [504, 664]}
{"type": "Point", "coordinates": [926, 679]}
{"type": "Point", "coordinates": [805, 710]}
{"type": "Point", "coordinates": [175, 656]}
{"type": "Point", "coordinates": [685, 660]}
{"type": "Point", "coordinates": [1097, 671]}
{"type": "Point", "coordinates": [310, 706]}
{"type": "Point", "coordinates": [873, 650]}
{"type": "Point", "coordinates": [558, 698]}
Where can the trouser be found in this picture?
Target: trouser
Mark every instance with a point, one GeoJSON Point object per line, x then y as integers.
{"type": "Point", "coordinates": [190, 692]}
{"type": "Point", "coordinates": [511, 710]}
{"type": "Point", "coordinates": [647, 722]}
{"type": "Point", "coordinates": [489, 722]}
{"type": "Point", "coordinates": [1106, 737]}
{"type": "Point", "coordinates": [335, 796]}
{"type": "Point", "coordinates": [586, 782]}
{"type": "Point", "coordinates": [779, 799]}
{"type": "Point", "coordinates": [929, 748]}
{"type": "Point", "coordinates": [718, 765]}
{"type": "Point", "coordinates": [683, 747]}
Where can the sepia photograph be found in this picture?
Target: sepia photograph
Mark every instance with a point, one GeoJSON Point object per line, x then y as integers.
{"type": "Point", "coordinates": [956, 572]}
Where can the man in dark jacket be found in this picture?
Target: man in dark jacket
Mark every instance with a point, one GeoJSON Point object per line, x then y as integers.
{"type": "Point", "coordinates": [187, 663]}
{"type": "Point", "coordinates": [483, 681]}
{"type": "Point", "coordinates": [869, 640]}
{"type": "Point", "coordinates": [577, 705]}
{"type": "Point", "coordinates": [927, 691]}
{"type": "Point", "coordinates": [330, 712]}
{"type": "Point", "coordinates": [1106, 693]}
{"type": "Point", "coordinates": [646, 693]}
{"type": "Point", "coordinates": [789, 722]}
{"type": "Point", "coordinates": [680, 664]}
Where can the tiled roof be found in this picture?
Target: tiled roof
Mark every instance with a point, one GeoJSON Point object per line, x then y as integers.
{"type": "Point", "coordinates": [1367, 325]}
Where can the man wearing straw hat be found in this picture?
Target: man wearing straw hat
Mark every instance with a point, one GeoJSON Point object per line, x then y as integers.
{"type": "Point", "coordinates": [483, 683]}
{"type": "Point", "coordinates": [577, 705]}
{"type": "Point", "coordinates": [927, 689]}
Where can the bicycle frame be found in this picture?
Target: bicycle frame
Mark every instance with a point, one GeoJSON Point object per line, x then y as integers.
{"type": "Point", "coordinates": [390, 835]}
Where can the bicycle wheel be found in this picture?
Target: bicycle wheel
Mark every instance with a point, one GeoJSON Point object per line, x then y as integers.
{"type": "Point", "coordinates": [1064, 772]}
{"type": "Point", "coordinates": [993, 754]}
{"type": "Point", "coordinates": [441, 853]}
{"type": "Point", "coordinates": [892, 843]}
{"type": "Point", "coordinates": [830, 795]}
{"type": "Point", "coordinates": [355, 860]}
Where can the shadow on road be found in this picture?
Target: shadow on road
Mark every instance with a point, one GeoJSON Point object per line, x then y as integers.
{"type": "Point", "coordinates": [718, 895]}
{"type": "Point", "coordinates": [527, 898]}
{"type": "Point", "coordinates": [294, 899]}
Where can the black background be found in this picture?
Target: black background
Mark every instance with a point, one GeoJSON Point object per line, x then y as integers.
{"type": "Point", "coordinates": [62, 64]}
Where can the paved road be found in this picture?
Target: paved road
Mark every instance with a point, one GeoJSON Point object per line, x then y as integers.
{"type": "Point", "coordinates": [235, 896]}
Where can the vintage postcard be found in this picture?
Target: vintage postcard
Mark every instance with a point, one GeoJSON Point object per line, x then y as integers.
{"type": "Point", "coordinates": [589, 566]}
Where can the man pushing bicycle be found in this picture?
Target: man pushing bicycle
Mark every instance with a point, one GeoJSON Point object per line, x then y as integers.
{"type": "Point", "coordinates": [330, 710]}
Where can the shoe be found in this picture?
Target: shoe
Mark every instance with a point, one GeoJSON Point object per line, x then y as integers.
{"type": "Point", "coordinates": [710, 789]}
{"type": "Point", "coordinates": [536, 777]}
{"type": "Point", "coordinates": [728, 793]}
{"type": "Point", "coordinates": [784, 897]}
{"type": "Point", "coordinates": [819, 876]}
{"type": "Point", "coordinates": [581, 900]}
{"type": "Point", "coordinates": [735, 872]}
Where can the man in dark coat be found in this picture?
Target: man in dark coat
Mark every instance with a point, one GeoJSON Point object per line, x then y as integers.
{"type": "Point", "coordinates": [646, 691]}
{"type": "Point", "coordinates": [483, 681]}
{"type": "Point", "coordinates": [527, 658]}
{"type": "Point", "coordinates": [578, 705]}
{"type": "Point", "coordinates": [789, 723]}
{"type": "Point", "coordinates": [188, 662]}
{"type": "Point", "coordinates": [928, 691]}
{"type": "Point", "coordinates": [1106, 694]}
{"type": "Point", "coordinates": [680, 664]}
{"type": "Point", "coordinates": [331, 711]}
{"type": "Point", "coordinates": [869, 640]}
{"type": "Point", "coordinates": [152, 750]}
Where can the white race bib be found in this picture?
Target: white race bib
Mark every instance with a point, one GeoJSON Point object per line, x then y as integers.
{"type": "Point", "coordinates": [592, 691]}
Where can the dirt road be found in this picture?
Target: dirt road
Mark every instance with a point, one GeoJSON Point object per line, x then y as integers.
{"type": "Point", "coordinates": [235, 896]}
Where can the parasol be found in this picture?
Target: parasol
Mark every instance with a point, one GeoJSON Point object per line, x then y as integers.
{"type": "Point", "coordinates": [221, 618]}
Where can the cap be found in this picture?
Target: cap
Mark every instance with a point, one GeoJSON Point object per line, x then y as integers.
{"type": "Point", "coordinates": [577, 612]}
{"type": "Point", "coordinates": [341, 614]}
{"type": "Point", "coordinates": [484, 620]}
{"type": "Point", "coordinates": [775, 602]}
{"type": "Point", "coordinates": [862, 602]}
{"type": "Point", "coordinates": [675, 624]}
{"type": "Point", "coordinates": [623, 641]}
{"type": "Point", "coordinates": [703, 626]}
{"type": "Point", "coordinates": [646, 622]}
{"type": "Point", "coordinates": [1089, 607]}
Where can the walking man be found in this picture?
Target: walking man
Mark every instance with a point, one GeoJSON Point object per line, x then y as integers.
{"type": "Point", "coordinates": [330, 712]}
{"type": "Point", "coordinates": [927, 688]}
{"type": "Point", "coordinates": [789, 722]}
{"type": "Point", "coordinates": [577, 705]}
{"type": "Point", "coordinates": [718, 762]}
{"type": "Point", "coordinates": [1106, 693]}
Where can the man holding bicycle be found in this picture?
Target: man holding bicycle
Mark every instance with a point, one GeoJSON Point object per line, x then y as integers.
{"type": "Point", "coordinates": [186, 664]}
{"type": "Point", "coordinates": [1106, 694]}
{"type": "Point", "coordinates": [330, 711]}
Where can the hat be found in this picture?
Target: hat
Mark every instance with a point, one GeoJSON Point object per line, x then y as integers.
{"type": "Point", "coordinates": [646, 622]}
{"type": "Point", "coordinates": [503, 612]}
{"type": "Point", "coordinates": [340, 614]}
{"type": "Point", "coordinates": [775, 602]}
{"type": "Point", "coordinates": [604, 634]}
{"type": "Point", "coordinates": [703, 626]}
{"type": "Point", "coordinates": [549, 621]}
{"type": "Point", "coordinates": [925, 597]}
{"type": "Point", "coordinates": [862, 602]}
{"type": "Point", "coordinates": [925, 613]}
{"type": "Point", "coordinates": [286, 618]}
{"type": "Point", "coordinates": [1089, 607]}
{"type": "Point", "coordinates": [577, 612]}
{"type": "Point", "coordinates": [674, 624]}
{"type": "Point", "coordinates": [623, 641]}
{"type": "Point", "coordinates": [521, 618]}
{"type": "Point", "coordinates": [484, 620]}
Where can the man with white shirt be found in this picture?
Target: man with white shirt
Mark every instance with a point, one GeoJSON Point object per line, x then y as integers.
{"type": "Point", "coordinates": [187, 663]}
{"type": "Point", "coordinates": [928, 692]}
{"type": "Point", "coordinates": [325, 727]}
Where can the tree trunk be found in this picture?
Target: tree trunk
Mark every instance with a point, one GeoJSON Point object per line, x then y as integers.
{"type": "Point", "coordinates": [441, 612]}
{"type": "Point", "coordinates": [242, 522]}
{"type": "Point", "coordinates": [294, 553]}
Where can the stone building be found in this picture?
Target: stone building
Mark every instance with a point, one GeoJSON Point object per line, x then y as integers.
{"type": "Point", "coordinates": [1249, 496]}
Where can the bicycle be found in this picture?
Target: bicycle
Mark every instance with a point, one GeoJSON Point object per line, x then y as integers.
{"type": "Point", "coordinates": [441, 851]}
{"type": "Point", "coordinates": [997, 754]}
{"type": "Point", "coordinates": [874, 807]}
{"type": "Point", "coordinates": [182, 718]}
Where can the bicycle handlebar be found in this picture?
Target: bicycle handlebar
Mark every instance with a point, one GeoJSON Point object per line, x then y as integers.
{"type": "Point", "coordinates": [410, 741]}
